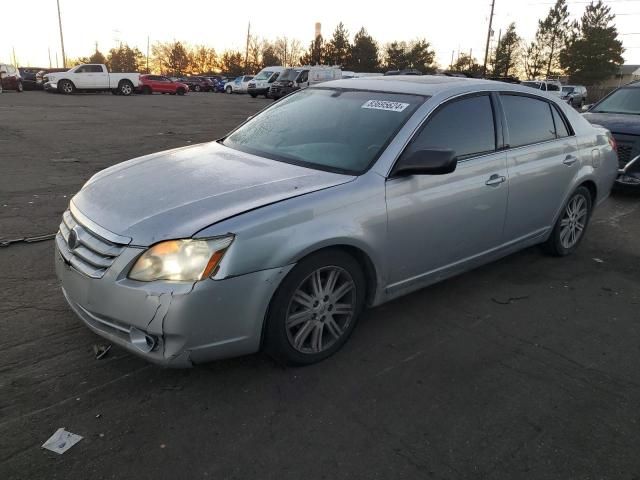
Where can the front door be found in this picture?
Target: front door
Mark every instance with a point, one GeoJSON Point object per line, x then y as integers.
{"type": "Point", "coordinates": [439, 222]}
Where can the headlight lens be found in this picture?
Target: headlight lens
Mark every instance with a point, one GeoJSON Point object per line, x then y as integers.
{"type": "Point", "coordinates": [181, 260]}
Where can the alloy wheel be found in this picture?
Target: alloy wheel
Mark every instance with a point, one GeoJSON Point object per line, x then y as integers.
{"type": "Point", "coordinates": [574, 221]}
{"type": "Point", "coordinates": [321, 310]}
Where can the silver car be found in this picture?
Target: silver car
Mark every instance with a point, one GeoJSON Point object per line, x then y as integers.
{"type": "Point", "coordinates": [336, 198]}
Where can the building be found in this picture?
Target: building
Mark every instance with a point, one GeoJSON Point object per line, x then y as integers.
{"type": "Point", "coordinates": [626, 74]}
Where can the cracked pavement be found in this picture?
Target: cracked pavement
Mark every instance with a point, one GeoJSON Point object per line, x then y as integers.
{"type": "Point", "coordinates": [527, 367]}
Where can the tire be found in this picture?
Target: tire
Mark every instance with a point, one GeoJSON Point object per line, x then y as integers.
{"type": "Point", "coordinates": [20, 87]}
{"type": "Point", "coordinates": [66, 87]}
{"type": "Point", "coordinates": [317, 333]}
{"type": "Point", "coordinates": [196, 88]}
{"type": "Point", "coordinates": [572, 224]}
{"type": "Point", "coordinates": [125, 87]}
{"type": "Point", "coordinates": [146, 90]}
{"type": "Point", "coordinates": [0, 87]}
{"type": "Point", "coordinates": [266, 95]}
{"type": "Point", "coordinates": [253, 95]}
{"type": "Point", "coordinates": [228, 90]}
{"type": "Point", "coordinates": [180, 91]}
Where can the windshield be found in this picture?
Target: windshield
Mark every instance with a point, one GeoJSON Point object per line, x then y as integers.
{"type": "Point", "coordinates": [532, 84]}
{"type": "Point", "coordinates": [623, 100]}
{"type": "Point", "coordinates": [567, 89]}
{"type": "Point", "coordinates": [264, 75]}
{"type": "Point", "coordinates": [289, 75]}
{"type": "Point", "coordinates": [329, 129]}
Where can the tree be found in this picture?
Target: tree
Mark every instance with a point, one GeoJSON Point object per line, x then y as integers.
{"type": "Point", "coordinates": [125, 59]}
{"type": "Point", "coordinates": [338, 48]}
{"type": "Point", "coordinates": [171, 58]}
{"type": "Point", "coordinates": [269, 56]}
{"type": "Point", "coordinates": [97, 57]}
{"type": "Point", "coordinates": [288, 50]}
{"type": "Point", "coordinates": [507, 53]}
{"type": "Point", "coordinates": [364, 53]}
{"type": "Point", "coordinates": [468, 65]}
{"type": "Point", "coordinates": [202, 59]}
{"type": "Point", "coordinates": [552, 35]}
{"type": "Point", "coordinates": [533, 62]}
{"type": "Point", "coordinates": [593, 52]}
{"type": "Point", "coordinates": [395, 56]}
{"type": "Point", "coordinates": [421, 57]}
{"type": "Point", "coordinates": [232, 63]}
{"type": "Point", "coordinates": [316, 54]}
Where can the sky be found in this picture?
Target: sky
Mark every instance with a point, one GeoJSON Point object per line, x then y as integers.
{"type": "Point", "coordinates": [30, 27]}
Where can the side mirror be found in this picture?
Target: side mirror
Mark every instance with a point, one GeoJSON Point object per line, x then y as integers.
{"type": "Point", "coordinates": [426, 162]}
{"type": "Point", "coordinates": [586, 108]}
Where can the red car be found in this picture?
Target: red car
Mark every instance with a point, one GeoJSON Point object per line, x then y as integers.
{"type": "Point", "coordinates": [10, 78]}
{"type": "Point", "coordinates": [157, 83]}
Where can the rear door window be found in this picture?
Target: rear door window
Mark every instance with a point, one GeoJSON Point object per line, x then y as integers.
{"type": "Point", "coordinates": [561, 126]}
{"type": "Point", "coordinates": [465, 126]}
{"type": "Point", "coordinates": [529, 120]}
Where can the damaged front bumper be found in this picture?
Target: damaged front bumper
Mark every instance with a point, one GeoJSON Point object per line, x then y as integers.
{"type": "Point", "coordinates": [172, 324]}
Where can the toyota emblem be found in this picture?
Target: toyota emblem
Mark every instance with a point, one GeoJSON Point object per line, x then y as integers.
{"type": "Point", "coordinates": [73, 240]}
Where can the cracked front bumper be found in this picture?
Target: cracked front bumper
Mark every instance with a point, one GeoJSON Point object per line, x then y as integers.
{"type": "Point", "coordinates": [193, 323]}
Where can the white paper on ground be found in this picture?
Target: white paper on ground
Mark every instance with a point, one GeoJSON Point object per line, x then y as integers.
{"type": "Point", "coordinates": [61, 441]}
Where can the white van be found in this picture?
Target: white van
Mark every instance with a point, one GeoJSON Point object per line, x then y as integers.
{"type": "Point", "coordinates": [554, 87]}
{"type": "Point", "coordinates": [263, 80]}
{"type": "Point", "coordinates": [296, 78]}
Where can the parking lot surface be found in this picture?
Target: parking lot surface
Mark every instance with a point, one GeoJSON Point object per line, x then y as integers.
{"type": "Point", "coordinates": [525, 368]}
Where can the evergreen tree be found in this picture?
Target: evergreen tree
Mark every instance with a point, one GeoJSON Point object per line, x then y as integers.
{"type": "Point", "coordinates": [316, 54]}
{"type": "Point", "coordinates": [593, 52]}
{"type": "Point", "coordinates": [421, 57]}
{"type": "Point", "coordinates": [468, 65]}
{"type": "Point", "coordinates": [507, 52]}
{"type": "Point", "coordinates": [171, 58]}
{"type": "Point", "coordinates": [533, 62]}
{"type": "Point", "coordinates": [364, 53]}
{"type": "Point", "coordinates": [338, 50]}
{"type": "Point", "coordinates": [97, 57]}
{"type": "Point", "coordinates": [552, 35]}
{"type": "Point", "coordinates": [125, 59]}
{"type": "Point", "coordinates": [396, 56]}
{"type": "Point", "coordinates": [232, 63]}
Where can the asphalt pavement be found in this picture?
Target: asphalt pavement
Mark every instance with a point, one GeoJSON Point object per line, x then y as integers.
{"type": "Point", "coordinates": [525, 368]}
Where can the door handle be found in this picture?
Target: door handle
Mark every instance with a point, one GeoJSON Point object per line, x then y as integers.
{"type": "Point", "coordinates": [570, 160]}
{"type": "Point", "coordinates": [495, 180]}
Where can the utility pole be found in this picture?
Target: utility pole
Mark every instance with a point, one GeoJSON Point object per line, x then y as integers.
{"type": "Point", "coordinates": [486, 50]}
{"type": "Point", "coordinates": [451, 64]}
{"type": "Point", "coordinates": [57, 60]}
{"type": "Point", "coordinates": [64, 57]}
{"type": "Point", "coordinates": [147, 53]}
{"type": "Point", "coordinates": [49, 51]}
{"type": "Point", "coordinates": [246, 52]}
{"type": "Point", "coordinates": [470, 58]}
{"type": "Point", "coordinates": [15, 61]}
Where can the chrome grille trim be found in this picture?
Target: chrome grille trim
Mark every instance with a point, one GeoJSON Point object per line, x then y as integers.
{"type": "Point", "coordinates": [93, 255]}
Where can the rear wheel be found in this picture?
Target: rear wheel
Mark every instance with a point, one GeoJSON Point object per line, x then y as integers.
{"type": "Point", "coordinates": [66, 87]}
{"type": "Point", "coordinates": [572, 224]}
{"type": "Point", "coordinates": [125, 88]}
{"type": "Point", "coordinates": [315, 309]}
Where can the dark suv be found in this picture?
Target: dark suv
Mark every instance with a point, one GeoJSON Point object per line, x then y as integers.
{"type": "Point", "coordinates": [10, 78]}
{"type": "Point", "coordinates": [197, 84]}
{"type": "Point", "coordinates": [28, 75]}
{"type": "Point", "coordinates": [620, 113]}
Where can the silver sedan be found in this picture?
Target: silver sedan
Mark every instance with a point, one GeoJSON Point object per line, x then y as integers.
{"type": "Point", "coordinates": [336, 198]}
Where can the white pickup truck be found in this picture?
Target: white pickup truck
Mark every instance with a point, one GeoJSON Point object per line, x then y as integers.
{"type": "Point", "coordinates": [91, 77]}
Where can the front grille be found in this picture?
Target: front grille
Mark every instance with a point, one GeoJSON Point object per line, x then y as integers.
{"type": "Point", "coordinates": [92, 254]}
{"type": "Point", "coordinates": [628, 148]}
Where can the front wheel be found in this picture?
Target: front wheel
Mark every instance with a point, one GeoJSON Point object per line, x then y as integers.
{"type": "Point", "coordinates": [196, 88]}
{"type": "Point", "coordinates": [180, 91]}
{"type": "Point", "coordinates": [66, 87]}
{"type": "Point", "coordinates": [229, 90]}
{"type": "Point", "coordinates": [572, 224]}
{"type": "Point", "coordinates": [146, 90]}
{"type": "Point", "coordinates": [315, 308]}
{"type": "Point", "coordinates": [253, 95]}
{"type": "Point", "coordinates": [20, 87]}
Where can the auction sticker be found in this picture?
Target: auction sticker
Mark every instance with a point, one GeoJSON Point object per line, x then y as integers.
{"type": "Point", "coordinates": [385, 105]}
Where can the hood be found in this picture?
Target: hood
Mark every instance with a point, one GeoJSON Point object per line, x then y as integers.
{"type": "Point", "coordinates": [176, 193]}
{"type": "Point", "coordinates": [616, 122]}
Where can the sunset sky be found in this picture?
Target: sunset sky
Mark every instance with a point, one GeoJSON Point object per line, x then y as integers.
{"type": "Point", "coordinates": [31, 27]}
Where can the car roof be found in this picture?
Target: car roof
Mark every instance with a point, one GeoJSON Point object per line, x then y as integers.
{"type": "Point", "coordinates": [422, 84]}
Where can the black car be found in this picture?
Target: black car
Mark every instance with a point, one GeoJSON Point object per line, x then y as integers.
{"type": "Point", "coordinates": [28, 75]}
{"type": "Point", "coordinates": [620, 113]}
{"type": "Point", "coordinates": [198, 84]}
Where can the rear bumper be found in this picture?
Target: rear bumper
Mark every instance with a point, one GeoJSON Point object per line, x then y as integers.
{"type": "Point", "coordinates": [189, 323]}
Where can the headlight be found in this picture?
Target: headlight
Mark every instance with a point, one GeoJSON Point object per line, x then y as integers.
{"type": "Point", "coordinates": [181, 260]}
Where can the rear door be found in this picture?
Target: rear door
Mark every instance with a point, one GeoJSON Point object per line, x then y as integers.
{"type": "Point", "coordinates": [440, 221]}
{"type": "Point", "coordinates": [542, 160]}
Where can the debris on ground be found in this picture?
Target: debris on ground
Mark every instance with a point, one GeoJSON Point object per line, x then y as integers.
{"type": "Point", "coordinates": [101, 350]}
{"type": "Point", "coordinates": [509, 300]}
{"type": "Point", "coordinates": [61, 441]}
